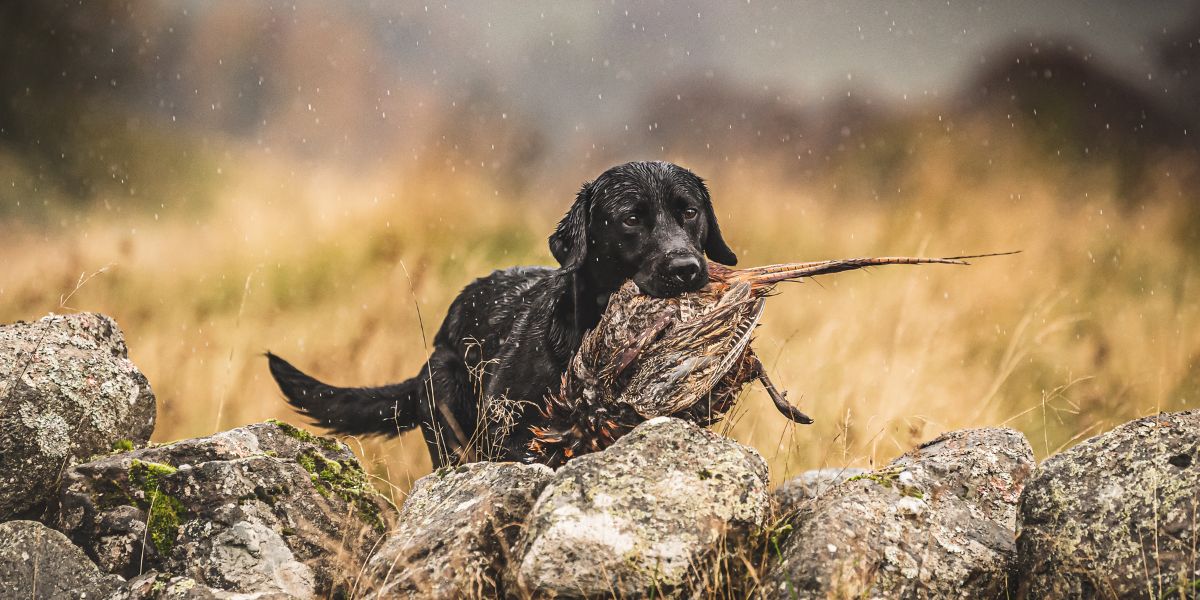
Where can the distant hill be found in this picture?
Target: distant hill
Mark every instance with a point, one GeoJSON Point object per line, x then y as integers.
{"type": "Point", "coordinates": [1179, 54]}
{"type": "Point", "coordinates": [1047, 102]}
{"type": "Point", "coordinates": [1068, 100]}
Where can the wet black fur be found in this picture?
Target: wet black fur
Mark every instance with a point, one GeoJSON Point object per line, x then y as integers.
{"type": "Point", "coordinates": [528, 321]}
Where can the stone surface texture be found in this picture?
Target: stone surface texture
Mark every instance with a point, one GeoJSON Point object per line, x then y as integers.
{"type": "Point", "coordinates": [937, 522]}
{"type": "Point", "coordinates": [809, 485]}
{"type": "Point", "coordinates": [67, 391]}
{"type": "Point", "coordinates": [1116, 516]}
{"type": "Point", "coordinates": [162, 586]}
{"type": "Point", "coordinates": [40, 563]}
{"type": "Point", "coordinates": [266, 508]}
{"type": "Point", "coordinates": [457, 530]}
{"type": "Point", "coordinates": [643, 516]}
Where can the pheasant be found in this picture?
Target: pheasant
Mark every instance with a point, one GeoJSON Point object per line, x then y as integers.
{"type": "Point", "coordinates": [686, 357]}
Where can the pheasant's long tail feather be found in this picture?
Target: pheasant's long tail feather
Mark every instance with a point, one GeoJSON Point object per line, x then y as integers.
{"type": "Point", "coordinates": [771, 274]}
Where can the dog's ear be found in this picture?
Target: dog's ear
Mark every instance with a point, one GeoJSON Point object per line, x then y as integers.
{"type": "Point", "coordinates": [569, 242]}
{"type": "Point", "coordinates": [714, 245]}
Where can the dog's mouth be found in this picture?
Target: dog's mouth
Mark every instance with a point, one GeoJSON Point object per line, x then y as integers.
{"type": "Point", "coordinates": [660, 286]}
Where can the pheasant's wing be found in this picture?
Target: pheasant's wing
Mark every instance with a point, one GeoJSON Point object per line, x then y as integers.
{"type": "Point", "coordinates": [743, 330]}
{"type": "Point", "coordinates": [631, 321]}
{"type": "Point", "coordinates": [629, 355]}
{"type": "Point", "coordinates": [690, 358]}
{"type": "Point", "coordinates": [591, 374]}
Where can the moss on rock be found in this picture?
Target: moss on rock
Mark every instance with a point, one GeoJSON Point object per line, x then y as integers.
{"type": "Point", "coordinates": [347, 481]}
{"type": "Point", "coordinates": [292, 431]}
{"type": "Point", "coordinates": [235, 502]}
{"type": "Point", "coordinates": [162, 510]}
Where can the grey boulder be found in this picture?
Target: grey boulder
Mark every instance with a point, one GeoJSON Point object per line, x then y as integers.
{"type": "Point", "coordinates": [937, 522]}
{"type": "Point", "coordinates": [37, 562]}
{"type": "Point", "coordinates": [163, 586]}
{"type": "Point", "coordinates": [1116, 516]}
{"type": "Point", "coordinates": [643, 517]}
{"type": "Point", "coordinates": [67, 391]}
{"type": "Point", "coordinates": [457, 530]}
{"type": "Point", "coordinates": [266, 508]}
{"type": "Point", "coordinates": [791, 494]}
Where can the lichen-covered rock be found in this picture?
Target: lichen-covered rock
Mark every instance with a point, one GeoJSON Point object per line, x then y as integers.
{"type": "Point", "coordinates": [162, 586]}
{"type": "Point", "coordinates": [263, 508]}
{"type": "Point", "coordinates": [67, 391]}
{"type": "Point", "coordinates": [642, 517]}
{"type": "Point", "coordinates": [938, 522]}
{"type": "Point", "coordinates": [457, 530]}
{"type": "Point", "coordinates": [1117, 516]}
{"type": "Point", "coordinates": [37, 562]}
{"type": "Point", "coordinates": [808, 485]}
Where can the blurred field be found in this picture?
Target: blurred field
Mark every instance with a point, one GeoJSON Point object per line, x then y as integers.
{"type": "Point", "coordinates": [348, 275]}
{"type": "Point", "coordinates": [321, 179]}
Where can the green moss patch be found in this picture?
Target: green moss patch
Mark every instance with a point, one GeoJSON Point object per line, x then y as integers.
{"type": "Point", "coordinates": [883, 477]}
{"type": "Point", "coordinates": [342, 478]}
{"type": "Point", "coordinates": [346, 480]}
{"type": "Point", "coordinates": [118, 447]}
{"type": "Point", "coordinates": [776, 534]}
{"type": "Point", "coordinates": [162, 509]}
{"type": "Point", "coordinates": [889, 478]}
{"type": "Point", "coordinates": [292, 431]}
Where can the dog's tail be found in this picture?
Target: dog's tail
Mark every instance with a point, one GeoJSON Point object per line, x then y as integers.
{"type": "Point", "coordinates": [389, 409]}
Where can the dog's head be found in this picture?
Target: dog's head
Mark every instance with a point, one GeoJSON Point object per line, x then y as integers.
{"type": "Point", "coordinates": [652, 222]}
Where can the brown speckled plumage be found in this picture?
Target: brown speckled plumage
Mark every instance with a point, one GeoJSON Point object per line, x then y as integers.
{"type": "Point", "coordinates": [686, 357]}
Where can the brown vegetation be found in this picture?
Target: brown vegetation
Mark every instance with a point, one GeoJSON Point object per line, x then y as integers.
{"type": "Point", "coordinates": [209, 246]}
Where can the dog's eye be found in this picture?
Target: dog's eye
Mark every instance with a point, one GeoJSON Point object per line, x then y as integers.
{"type": "Point", "coordinates": [631, 220]}
{"type": "Point", "coordinates": [690, 213]}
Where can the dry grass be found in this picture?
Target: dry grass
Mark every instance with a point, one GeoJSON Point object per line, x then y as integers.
{"type": "Point", "coordinates": [1093, 324]}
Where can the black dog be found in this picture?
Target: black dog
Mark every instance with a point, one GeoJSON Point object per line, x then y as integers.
{"type": "Point", "coordinates": [652, 222]}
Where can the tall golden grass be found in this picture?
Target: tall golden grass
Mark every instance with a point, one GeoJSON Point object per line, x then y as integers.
{"type": "Point", "coordinates": [349, 275]}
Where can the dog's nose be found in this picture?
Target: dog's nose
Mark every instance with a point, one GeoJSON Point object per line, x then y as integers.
{"type": "Point", "coordinates": [684, 268]}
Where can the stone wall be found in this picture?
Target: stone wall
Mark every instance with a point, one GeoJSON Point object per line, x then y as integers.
{"type": "Point", "coordinates": [90, 509]}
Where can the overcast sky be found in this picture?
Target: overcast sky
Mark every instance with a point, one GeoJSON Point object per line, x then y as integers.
{"type": "Point", "coordinates": [589, 65]}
